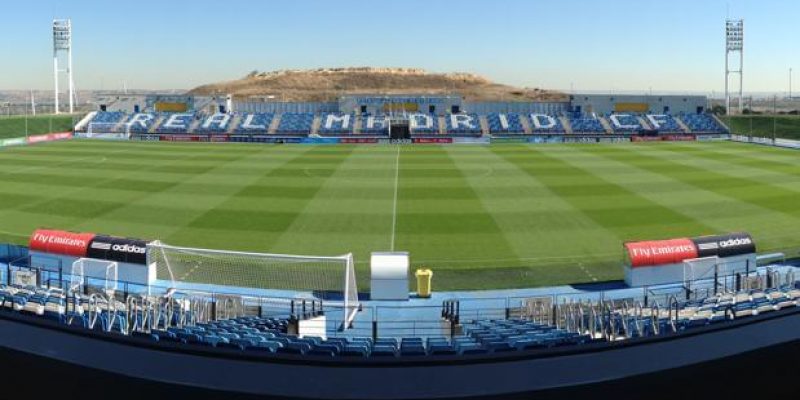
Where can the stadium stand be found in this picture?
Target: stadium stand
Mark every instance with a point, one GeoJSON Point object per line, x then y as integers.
{"type": "Point", "coordinates": [541, 123]}
{"type": "Point", "coordinates": [108, 117]}
{"type": "Point", "coordinates": [215, 123]}
{"type": "Point", "coordinates": [374, 125]}
{"type": "Point", "coordinates": [254, 123]}
{"type": "Point", "coordinates": [296, 124]}
{"type": "Point", "coordinates": [175, 123]}
{"type": "Point", "coordinates": [424, 124]}
{"type": "Point", "coordinates": [141, 123]}
{"type": "Point", "coordinates": [664, 123]}
{"type": "Point", "coordinates": [463, 124]}
{"type": "Point", "coordinates": [505, 123]}
{"type": "Point", "coordinates": [624, 123]}
{"type": "Point", "coordinates": [583, 123]}
{"type": "Point", "coordinates": [336, 124]}
{"type": "Point", "coordinates": [702, 123]}
{"type": "Point", "coordinates": [453, 125]}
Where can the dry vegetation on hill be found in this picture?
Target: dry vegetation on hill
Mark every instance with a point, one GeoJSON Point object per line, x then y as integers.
{"type": "Point", "coordinates": [330, 83]}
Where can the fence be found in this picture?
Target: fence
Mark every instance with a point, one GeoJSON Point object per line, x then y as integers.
{"type": "Point", "coordinates": [604, 312]}
{"type": "Point", "coordinates": [12, 126]}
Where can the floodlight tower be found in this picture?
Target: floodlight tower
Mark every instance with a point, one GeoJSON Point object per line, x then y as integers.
{"type": "Point", "coordinates": [62, 42]}
{"type": "Point", "coordinates": [734, 43]}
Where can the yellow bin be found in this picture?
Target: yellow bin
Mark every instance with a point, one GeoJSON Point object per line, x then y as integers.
{"type": "Point", "coordinates": [424, 282]}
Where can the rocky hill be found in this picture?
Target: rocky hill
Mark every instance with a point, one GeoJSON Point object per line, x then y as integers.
{"type": "Point", "coordinates": [327, 84]}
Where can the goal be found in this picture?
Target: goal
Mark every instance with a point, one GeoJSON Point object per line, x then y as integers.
{"type": "Point", "coordinates": [699, 269]}
{"type": "Point", "coordinates": [92, 272]}
{"type": "Point", "coordinates": [329, 278]}
{"type": "Point", "coordinates": [108, 129]}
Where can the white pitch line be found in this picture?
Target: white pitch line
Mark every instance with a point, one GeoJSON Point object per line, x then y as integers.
{"type": "Point", "coordinates": [394, 205]}
{"type": "Point", "coordinates": [94, 160]}
{"type": "Point", "coordinates": [586, 271]}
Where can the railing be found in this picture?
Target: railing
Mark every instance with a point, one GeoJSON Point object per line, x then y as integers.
{"type": "Point", "coordinates": [608, 314]}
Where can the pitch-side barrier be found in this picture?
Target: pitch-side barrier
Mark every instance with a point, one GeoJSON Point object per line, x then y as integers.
{"type": "Point", "coordinates": [22, 141]}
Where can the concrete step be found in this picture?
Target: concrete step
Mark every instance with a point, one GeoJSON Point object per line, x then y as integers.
{"type": "Point", "coordinates": [156, 124]}
{"type": "Point", "coordinates": [565, 123]}
{"type": "Point", "coordinates": [316, 124]}
{"type": "Point", "coordinates": [273, 127]}
{"type": "Point", "coordinates": [526, 124]}
{"type": "Point", "coordinates": [682, 125]}
{"type": "Point", "coordinates": [606, 125]}
{"type": "Point", "coordinates": [484, 124]}
{"type": "Point", "coordinates": [644, 123]}
{"type": "Point", "coordinates": [356, 125]}
{"type": "Point", "coordinates": [194, 125]}
{"type": "Point", "coordinates": [235, 121]}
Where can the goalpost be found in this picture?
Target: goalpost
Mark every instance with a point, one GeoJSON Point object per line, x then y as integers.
{"type": "Point", "coordinates": [86, 269]}
{"type": "Point", "coordinates": [704, 268]}
{"type": "Point", "coordinates": [323, 276]}
{"type": "Point", "coordinates": [121, 129]}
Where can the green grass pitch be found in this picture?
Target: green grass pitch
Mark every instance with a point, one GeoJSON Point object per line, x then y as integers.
{"type": "Point", "coordinates": [480, 216]}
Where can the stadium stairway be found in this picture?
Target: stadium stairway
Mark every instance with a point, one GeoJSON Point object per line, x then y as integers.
{"type": "Point", "coordinates": [526, 126]}
{"type": "Point", "coordinates": [235, 122]}
{"type": "Point", "coordinates": [567, 126]}
{"type": "Point", "coordinates": [83, 125]}
{"type": "Point", "coordinates": [484, 124]}
{"type": "Point", "coordinates": [273, 127]}
{"type": "Point", "coordinates": [315, 125]}
{"type": "Point", "coordinates": [159, 120]}
{"type": "Point", "coordinates": [442, 126]}
{"type": "Point", "coordinates": [194, 125]}
{"type": "Point", "coordinates": [720, 122]}
{"type": "Point", "coordinates": [644, 123]}
{"type": "Point", "coordinates": [606, 125]}
{"type": "Point", "coordinates": [683, 125]}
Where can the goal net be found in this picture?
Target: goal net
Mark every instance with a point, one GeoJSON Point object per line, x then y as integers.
{"type": "Point", "coordinates": [98, 273]}
{"type": "Point", "coordinates": [117, 129]}
{"type": "Point", "coordinates": [331, 278]}
{"type": "Point", "coordinates": [698, 269]}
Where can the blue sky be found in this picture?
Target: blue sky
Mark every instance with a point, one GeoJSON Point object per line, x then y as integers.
{"type": "Point", "coordinates": [591, 45]}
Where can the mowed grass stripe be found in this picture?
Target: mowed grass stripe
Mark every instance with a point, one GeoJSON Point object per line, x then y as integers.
{"type": "Point", "coordinates": [164, 221]}
{"type": "Point", "coordinates": [56, 208]}
{"type": "Point", "coordinates": [465, 236]}
{"type": "Point", "coordinates": [357, 224]}
{"type": "Point", "coordinates": [729, 182]}
{"type": "Point", "coordinates": [722, 212]}
{"type": "Point", "coordinates": [242, 229]}
{"type": "Point", "coordinates": [546, 164]}
{"type": "Point", "coordinates": [752, 157]}
{"type": "Point", "coordinates": [541, 227]}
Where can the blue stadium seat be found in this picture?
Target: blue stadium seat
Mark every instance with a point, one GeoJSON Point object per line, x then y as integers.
{"type": "Point", "coordinates": [463, 124]}
{"type": "Point", "coordinates": [547, 124]}
{"type": "Point", "coordinates": [584, 123]}
{"type": "Point", "coordinates": [296, 124]}
{"type": "Point", "coordinates": [336, 124]}
{"type": "Point", "coordinates": [258, 123]}
{"type": "Point", "coordinates": [701, 123]}
{"type": "Point", "coordinates": [501, 124]}
{"type": "Point", "coordinates": [424, 124]}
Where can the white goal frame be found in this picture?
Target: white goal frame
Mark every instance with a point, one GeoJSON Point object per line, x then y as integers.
{"type": "Point", "coordinates": [157, 252]}
{"type": "Point", "coordinates": [94, 268]}
{"type": "Point", "coordinates": [700, 269]}
{"type": "Point", "coordinates": [108, 128]}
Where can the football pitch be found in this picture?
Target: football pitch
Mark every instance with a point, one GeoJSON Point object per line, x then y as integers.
{"type": "Point", "coordinates": [496, 216]}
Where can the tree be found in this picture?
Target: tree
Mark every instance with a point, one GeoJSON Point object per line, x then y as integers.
{"type": "Point", "coordinates": [719, 109]}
